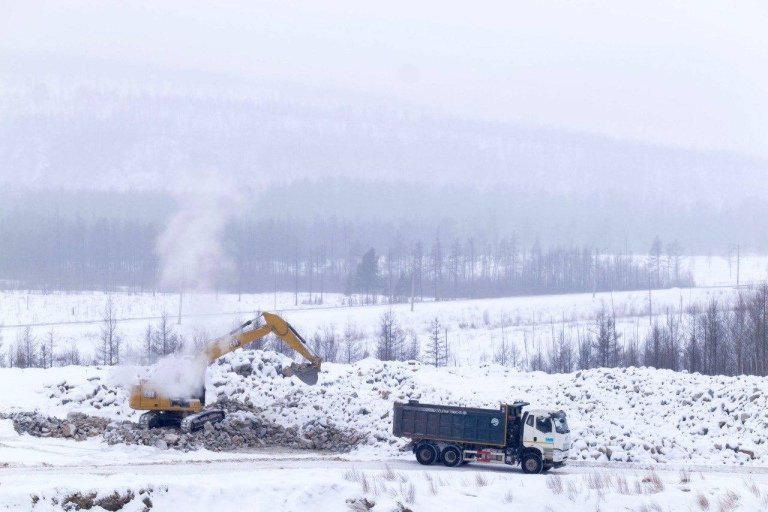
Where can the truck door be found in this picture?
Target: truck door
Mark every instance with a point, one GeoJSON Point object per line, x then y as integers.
{"type": "Point", "coordinates": [538, 429]}
{"type": "Point", "coordinates": [529, 431]}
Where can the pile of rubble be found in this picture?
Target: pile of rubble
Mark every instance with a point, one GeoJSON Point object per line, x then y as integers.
{"type": "Point", "coordinates": [93, 393]}
{"type": "Point", "coordinates": [77, 426]}
{"type": "Point", "coordinates": [241, 429]}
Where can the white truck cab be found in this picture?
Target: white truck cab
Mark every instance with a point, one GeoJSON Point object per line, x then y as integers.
{"type": "Point", "coordinates": [547, 432]}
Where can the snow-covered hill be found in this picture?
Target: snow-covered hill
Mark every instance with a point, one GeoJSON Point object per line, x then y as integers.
{"type": "Point", "coordinates": [630, 415]}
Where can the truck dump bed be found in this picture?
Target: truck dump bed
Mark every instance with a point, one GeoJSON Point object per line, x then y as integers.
{"type": "Point", "coordinates": [445, 423]}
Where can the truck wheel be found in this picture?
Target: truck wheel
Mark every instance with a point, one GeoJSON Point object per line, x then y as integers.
{"type": "Point", "coordinates": [426, 454]}
{"type": "Point", "coordinates": [532, 463]}
{"type": "Point", "coordinates": [451, 456]}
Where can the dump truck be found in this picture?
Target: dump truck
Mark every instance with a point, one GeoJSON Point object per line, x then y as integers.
{"type": "Point", "coordinates": [538, 439]}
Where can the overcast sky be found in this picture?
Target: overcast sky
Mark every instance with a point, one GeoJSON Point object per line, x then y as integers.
{"type": "Point", "coordinates": [689, 73]}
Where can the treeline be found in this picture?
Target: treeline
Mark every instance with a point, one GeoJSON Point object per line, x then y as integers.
{"type": "Point", "coordinates": [716, 338]}
{"type": "Point", "coordinates": [54, 253]}
{"type": "Point", "coordinates": [362, 259]}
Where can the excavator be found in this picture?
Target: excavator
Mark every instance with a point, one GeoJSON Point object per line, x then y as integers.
{"type": "Point", "coordinates": [187, 412]}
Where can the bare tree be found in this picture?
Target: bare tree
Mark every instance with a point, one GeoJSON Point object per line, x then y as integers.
{"type": "Point", "coordinates": [165, 340]}
{"type": "Point", "coordinates": [71, 355]}
{"type": "Point", "coordinates": [585, 358]}
{"type": "Point", "coordinates": [412, 347]}
{"type": "Point", "coordinates": [109, 340]}
{"type": "Point", "coordinates": [351, 350]}
{"type": "Point", "coordinates": [26, 349]}
{"type": "Point", "coordinates": [46, 350]}
{"type": "Point", "coordinates": [149, 350]}
{"type": "Point", "coordinates": [201, 338]}
{"type": "Point", "coordinates": [391, 338]}
{"type": "Point", "coordinates": [675, 261]}
{"type": "Point", "coordinates": [325, 343]}
{"type": "Point", "coordinates": [437, 347]}
{"type": "Point", "coordinates": [606, 345]}
{"type": "Point", "coordinates": [654, 259]}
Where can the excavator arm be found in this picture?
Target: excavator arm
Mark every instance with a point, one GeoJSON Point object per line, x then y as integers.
{"type": "Point", "coordinates": [273, 324]}
{"type": "Point", "coordinates": [148, 396]}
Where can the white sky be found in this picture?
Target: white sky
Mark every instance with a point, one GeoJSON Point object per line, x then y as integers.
{"type": "Point", "coordinates": [691, 73]}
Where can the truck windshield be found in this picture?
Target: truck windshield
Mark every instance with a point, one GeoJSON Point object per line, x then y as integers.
{"type": "Point", "coordinates": [561, 424]}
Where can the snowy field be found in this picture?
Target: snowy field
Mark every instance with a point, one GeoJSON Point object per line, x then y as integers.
{"type": "Point", "coordinates": [475, 327]}
{"type": "Point", "coordinates": [643, 439]}
{"type": "Point", "coordinates": [332, 485]}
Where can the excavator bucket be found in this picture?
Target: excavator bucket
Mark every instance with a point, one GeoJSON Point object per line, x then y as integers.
{"type": "Point", "coordinates": [307, 373]}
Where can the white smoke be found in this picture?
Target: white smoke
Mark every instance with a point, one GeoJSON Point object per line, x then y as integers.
{"type": "Point", "coordinates": [190, 246]}
{"type": "Point", "coordinates": [177, 376]}
{"type": "Point", "coordinates": [173, 376]}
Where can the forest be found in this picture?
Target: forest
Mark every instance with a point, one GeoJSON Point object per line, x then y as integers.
{"type": "Point", "coordinates": [57, 253]}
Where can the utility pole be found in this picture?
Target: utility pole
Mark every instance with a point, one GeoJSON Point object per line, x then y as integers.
{"type": "Point", "coordinates": [181, 295]}
{"type": "Point", "coordinates": [738, 261]}
{"type": "Point", "coordinates": [413, 284]}
{"type": "Point", "coordinates": [650, 301]}
{"type": "Point", "coordinates": [594, 273]}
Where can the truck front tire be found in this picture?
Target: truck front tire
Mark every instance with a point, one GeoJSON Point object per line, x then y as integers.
{"type": "Point", "coordinates": [451, 456]}
{"type": "Point", "coordinates": [426, 454]}
{"type": "Point", "coordinates": [532, 463]}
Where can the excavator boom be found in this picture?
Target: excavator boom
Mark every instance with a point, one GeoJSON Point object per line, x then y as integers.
{"type": "Point", "coordinates": [273, 324]}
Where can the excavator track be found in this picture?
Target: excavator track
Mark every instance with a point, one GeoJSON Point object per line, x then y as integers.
{"type": "Point", "coordinates": [196, 421]}
{"type": "Point", "coordinates": [159, 419]}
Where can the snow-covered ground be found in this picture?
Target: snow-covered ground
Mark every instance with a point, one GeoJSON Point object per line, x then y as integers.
{"type": "Point", "coordinates": [329, 485]}
{"type": "Point", "coordinates": [705, 437]}
{"type": "Point", "coordinates": [642, 438]}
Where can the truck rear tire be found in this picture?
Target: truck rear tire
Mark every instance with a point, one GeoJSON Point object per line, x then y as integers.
{"type": "Point", "coordinates": [532, 463]}
{"type": "Point", "coordinates": [426, 454]}
{"type": "Point", "coordinates": [451, 456]}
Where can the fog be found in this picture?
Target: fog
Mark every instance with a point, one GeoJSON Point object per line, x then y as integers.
{"type": "Point", "coordinates": [688, 74]}
{"type": "Point", "coordinates": [180, 124]}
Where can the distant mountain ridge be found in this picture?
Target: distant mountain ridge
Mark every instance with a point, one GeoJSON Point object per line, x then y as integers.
{"type": "Point", "coordinates": [314, 154]}
{"type": "Point", "coordinates": [85, 131]}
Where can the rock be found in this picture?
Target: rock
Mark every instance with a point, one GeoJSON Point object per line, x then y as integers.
{"type": "Point", "coordinates": [243, 369]}
{"type": "Point", "coordinates": [745, 416]}
{"type": "Point", "coordinates": [69, 430]}
{"type": "Point", "coordinates": [360, 504]}
{"type": "Point", "coordinates": [748, 452]}
{"type": "Point", "coordinates": [76, 416]}
{"type": "Point", "coordinates": [208, 427]}
{"type": "Point", "coordinates": [159, 443]}
{"type": "Point", "coordinates": [171, 439]}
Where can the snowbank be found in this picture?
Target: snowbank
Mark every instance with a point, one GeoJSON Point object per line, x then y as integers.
{"type": "Point", "coordinates": [623, 415]}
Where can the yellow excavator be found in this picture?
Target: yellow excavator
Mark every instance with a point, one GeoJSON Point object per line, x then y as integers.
{"type": "Point", "coordinates": [186, 412]}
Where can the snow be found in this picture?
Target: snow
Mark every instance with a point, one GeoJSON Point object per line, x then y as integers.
{"type": "Point", "coordinates": [622, 421]}
{"type": "Point", "coordinates": [637, 415]}
{"type": "Point", "coordinates": [327, 485]}
{"type": "Point", "coordinates": [475, 327]}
